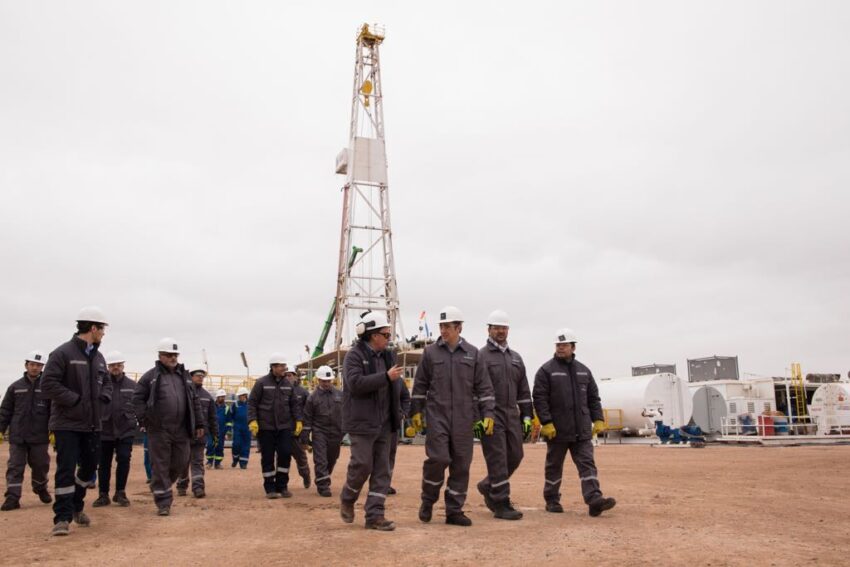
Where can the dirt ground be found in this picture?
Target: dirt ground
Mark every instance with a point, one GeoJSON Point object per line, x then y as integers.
{"type": "Point", "coordinates": [676, 506]}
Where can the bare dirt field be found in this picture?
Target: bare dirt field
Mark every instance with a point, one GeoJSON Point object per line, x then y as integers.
{"type": "Point", "coordinates": [676, 506]}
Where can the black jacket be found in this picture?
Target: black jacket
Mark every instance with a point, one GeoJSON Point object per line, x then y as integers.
{"type": "Point", "coordinates": [565, 394]}
{"type": "Point", "coordinates": [25, 412]}
{"type": "Point", "coordinates": [76, 384]}
{"type": "Point", "coordinates": [360, 394]}
{"type": "Point", "coordinates": [118, 417]}
{"type": "Point", "coordinates": [273, 404]}
{"type": "Point", "coordinates": [150, 416]}
{"type": "Point", "coordinates": [207, 402]}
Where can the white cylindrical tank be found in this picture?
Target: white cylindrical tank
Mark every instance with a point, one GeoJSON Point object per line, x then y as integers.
{"type": "Point", "coordinates": [831, 408]}
{"type": "Point", "coordinates": [709, 409]}
{"type": "Point", "coordinates": [647, 399]}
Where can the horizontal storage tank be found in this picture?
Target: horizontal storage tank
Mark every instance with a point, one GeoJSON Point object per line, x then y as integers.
{"type": "Point", "coordinates": [647, 399]}
{"type": "Point", "coordinates": [831, 408]}
{"type": "Point", "coordinates": [709, 409]}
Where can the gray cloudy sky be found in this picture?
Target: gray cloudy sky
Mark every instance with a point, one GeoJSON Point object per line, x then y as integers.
{"type": "Point", "coordinates": [668, 178]}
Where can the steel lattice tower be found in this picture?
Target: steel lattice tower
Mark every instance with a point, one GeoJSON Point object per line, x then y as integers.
{"type": "Point", "coordinates": [366, 277]}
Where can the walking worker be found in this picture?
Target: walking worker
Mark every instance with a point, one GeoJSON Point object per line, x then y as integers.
{"type": "Point", "coordinates": [567, 402]}
{"type": "Point", "coordinates": [323, 428]}
{"type": "Point", "coordinates": [370, 416]}
{"type": "Point", "coordinates": [299, 452]}
{"type": "Point", "coordinates": [238, 419]}
{"type": "Point", "coordinates": [25, 414]}
{"type": "Point", "coordinates": [119, 430]}
{"type": "Point", "coordinates": [195, 466]}
{"type": "Point", "coordinates": [75, 380]}
{"type": "Point", "coordinates": [273, 411]}
{"type": "Point", "coordinates": [513, 415]}
{"type": "Point", "coordinates": [169, 409]}
{"type": "Point", "coordinates": [451, 379]}
{"type": "Point", "coordinates": [215, 444]}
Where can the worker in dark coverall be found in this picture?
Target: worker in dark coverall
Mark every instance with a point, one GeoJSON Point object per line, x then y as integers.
{"type": "Point", "coordinates": [448, 380]}
{"type": "Point", "coordinates": [299, 451]}
{"type": "Point", "coordinates": [26, 415]}
{"type": "Point", "coordinates": [370, 416]}
{"type": "Point", "coordinates": [215, 444]}
{"type": "Point", "coordinates": [75, 380]}
{"type": "Point", "coordinates": [119, 429]}
{"type": "Point", "coordinates": [323, 428]}
{"type": "Point", "coordinates": [170, 411]}
{"type": "Point", "coordinates": [404, 406]}
{"type": "Point", "coordinates": [273, 411]}
{"type": "Point", "coordinates": [195, 467]}
{"type": "Point", "coordinates": [513, 413]}
{"type": "Point", "coordinates": [567, 402]}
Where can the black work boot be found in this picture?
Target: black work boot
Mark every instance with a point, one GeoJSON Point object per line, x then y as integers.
{"type": "Point", "coordinates": [120, 498]}
{"type": "Point", "coordinates": [487, 500]}
{"type": "Point", "coordinates": [381, 524]}
{"type": "Point", "coordinates": [346, 511]}
{"type": "Point", "coordinates": [554, 507]}
{"type": "Point", "coordinates": [459, 519]}
{"type": "Point", "coordinates": [307, 481]}
{"type": "Point", "coordinates": [102, 500]}
{"type": "Point", "coordinates": [425, 512]}
{"type": "Point", "coordinates": [506, 511]}
{"type": "Point", "coordinates": [44, 496]}
{"type": "Point", "coordinates": [181, 491]}
{"type": "Point", "coordinates": [10, 503]}
{"type": "Point", "coordinates": [599, 505]}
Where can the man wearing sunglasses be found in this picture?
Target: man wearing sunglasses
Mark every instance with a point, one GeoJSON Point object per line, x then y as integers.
{"type": "Point", "coordinates": [75, 380]}
{"type": "Point", "coordinates": [371, 417]}
{"type": "Point", "coordinates": [169, 409]}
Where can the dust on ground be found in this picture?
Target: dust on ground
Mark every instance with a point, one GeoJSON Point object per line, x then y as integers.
{"type": "Point", "coordinates": [675, 506]}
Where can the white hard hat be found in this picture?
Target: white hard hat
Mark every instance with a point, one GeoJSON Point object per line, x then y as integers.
{"type": "Point", "coordinates": [169, 345]}
{"type": "Point", "coordinates": [36, 356]}
{"type": "Point", "coordinates": [325, 373]}
{"type": "Point", "coordinates": [243, 391]}
{"type": "Point", "coordinates": [499, 317]}
{"type": "Point", "coordinates": [114, 357]}
{"type": "Point", "coordinates": [92, 314]}
{"type": "Point", "coordinates": [450, 314]}
{"type": "Point", "coordinates": [197, 367]}
{"type": "Point", "coordinates": [221, 394]}
{"type": "Point", "coordinates": [371, 321]}
{"type": "Point", "coordinates": [278, 358]}
{"type": "Point", "coordinates": [565, 335]}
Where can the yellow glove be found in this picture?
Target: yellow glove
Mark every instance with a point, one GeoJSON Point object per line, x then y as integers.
{"type": "Point", "coordinates": [298, 427]}
{"type": "Point", "coordinates": [598, 427]}
{"type": "Point", "coordinates": [252, 425]}
{"type": "Point", "coordinates": [410, 432]}
{"type": "Point", "coordinates": [2, 438]}
{"type": "Point", "coordinates": [51, 437]}
{"type": "Point", "coordinates": [416, 420]}
{"type": "Point", "coordinates": [548, 431]}
{"type": "Point", "coordinates": [489, 424]}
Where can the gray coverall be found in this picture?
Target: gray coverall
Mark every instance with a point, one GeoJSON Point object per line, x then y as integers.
{"type": "Point", "coordinates": [198, 447]}
{"type": "Point", "coordinates": [169, 410]}
{"type": "Point", "coordinates": [298, 451]}
{"type": "Point", "coordinates": [26, 414]}
{"type": "Point", "coordinates": [566, 394]}
{"type": "Point", "coordinates": [503, 449]}
{"type": "Point", "coordinates": [446, 383]}
{"type": "Point", "coordinates": [323, 422]}
{"type": "Point", "coordinates": [370, 415]}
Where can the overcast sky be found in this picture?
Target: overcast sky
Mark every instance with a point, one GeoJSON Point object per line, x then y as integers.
{"type": "Point", "coordinates": [670, 179]}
